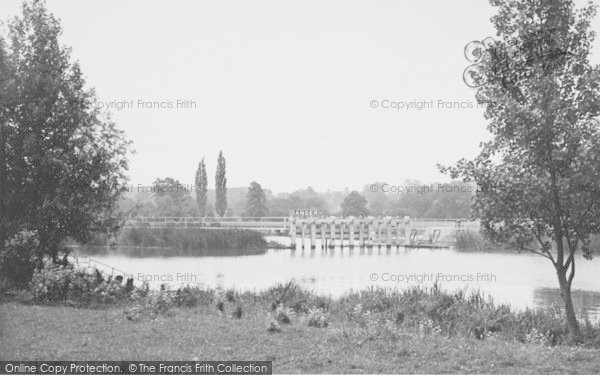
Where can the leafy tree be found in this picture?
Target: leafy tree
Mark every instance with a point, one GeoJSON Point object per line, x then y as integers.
{"type": "Point", "coordinates": [256, 201]}
{"type": "Point", "coordinates": [221, 186]}
{"type": "Point", "coordinates": [354, 204]}
{"type": "Point", "coordinates": [172, 198]}
{"type": "Point", "coordinates": [62, 166]}
{"type": "Point", "coordinates": [379, 202]}
{"type": "Point", "coordinates": [201, 188]}
{"type": "Point", "coordinates": [539, 176]}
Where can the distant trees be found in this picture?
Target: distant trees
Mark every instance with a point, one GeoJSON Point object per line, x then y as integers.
{"type": "Point", "coordinates": [416, 199]}
{"type": "Point", "coordinates": [220, 187]}
{"type": "Point", "coordinates": [540, 172]}
{"type": "Point", "coordinates": [62, 166]}
{"type": "Point", "coordinates": [283, 203]}
{"type": "Point", "coordinates": [201, 188]}
{"type": "Point", "coordinates": [354, 204]}
{"type": "Point", "coordinates": [256, 201]}
{"type": "Point", "coordinates": [172, 198]}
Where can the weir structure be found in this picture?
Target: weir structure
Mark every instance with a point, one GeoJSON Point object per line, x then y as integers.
{"type": "Point", "coordinates": [326, 232]}
{"type": "Point", "coordinates": [311, 233]}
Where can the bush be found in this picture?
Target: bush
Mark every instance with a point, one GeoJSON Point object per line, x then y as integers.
{"type": "Point", "coordinates": [317, 318]}
{"type": "Point", "coordinates": [189, 296]}
{"type": "Point", "coordinates": [58, 284]}
{"type": "Point", "coordinates": [284, 314]}
{"type": "Point", "coordinates": [290, 294]}
{"type": "Point", "coordinates": [19, 259]}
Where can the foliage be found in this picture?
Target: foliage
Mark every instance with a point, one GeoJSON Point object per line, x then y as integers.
{"type": "Point", "coordinates": [67, 284]}
{"type": "Point", "coordinates": [354, 205]}
{"type": "Point", "coordinates": [317, 318]}
{"type": "Point", "coordinates": [62, 166]}
{"type": "Point", "coordinates": [191, 241]}
{"type": "Point", "coordinates": [172, 198]}
{"type": "Point", "coordinates": [284, 314]}
{"type": "Point", "coordinates": [256, 201]}
{"type": "Point", "coordinates": [201, 188]}
{"type": "Point", "coordinates": [539, 176]}
{"type": "Point", "coordinates": [19, 258]}
{"type": "Point", "coordinates": [220, 186]}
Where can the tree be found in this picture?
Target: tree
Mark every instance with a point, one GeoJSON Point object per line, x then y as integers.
{"type": "Point", "coordinates": [220, 186]}
{"type": "Point", "coordinates": [256, 201]}
{"type": "Point", "coordinates": [354, 204]}
{"type": "Point", "coordinates": [172, 198]}
{"type": "Point", "coordinates": [539, 176]}
{"type": "Point", "coordinates": [62, 166]}
{"type": "Point", "coordinates": [201, 188]}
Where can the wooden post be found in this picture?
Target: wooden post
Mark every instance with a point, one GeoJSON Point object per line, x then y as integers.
{"type": "Point", "coordinates": [323, 228]}
{"type": "Point", "coordinates": [388, 227]}
{"type": "Point", "coordinates": [293, 232]}
{"type": "Point", "coordinates": [379, 238]}
{"type": "Point", "coordinates": [361, 237]}
{"type": "Point", "coordinates": [370, 231]}
{"type": "Point", "coordinates": [303, 234]}
{"type": "Point", "coordinates": [313, 234]}
{"type": "Point", "coordinates": [406, 232]}
{"type": "Point", "coordinates": [351, 232]}
{"type": "Point", "coordinates": [342, 233]}
{"type": "Point", "coordinates": [332, 233]}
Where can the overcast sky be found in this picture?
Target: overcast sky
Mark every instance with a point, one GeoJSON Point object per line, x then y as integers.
{"type": "Point", "coordinates": [284, 87]}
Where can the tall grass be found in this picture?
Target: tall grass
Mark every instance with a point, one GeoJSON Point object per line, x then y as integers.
{"type": "Point", "coordinates": [470, 240]}
{"type": "Point", "coordinates": [433, 310]}
{"type": "Point", "coordinates": [187, 241]}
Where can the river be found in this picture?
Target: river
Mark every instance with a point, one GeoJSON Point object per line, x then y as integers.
{"type": "Point", "coordinates": [519, 279]}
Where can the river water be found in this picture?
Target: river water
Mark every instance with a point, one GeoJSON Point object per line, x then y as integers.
{"type": "Point", "coordinates": [519, 279]}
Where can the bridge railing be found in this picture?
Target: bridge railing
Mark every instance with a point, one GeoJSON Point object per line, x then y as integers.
{"type": "Point", "coordinates": [208, 221]}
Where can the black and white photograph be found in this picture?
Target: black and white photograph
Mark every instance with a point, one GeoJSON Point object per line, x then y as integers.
{"type": "Point", "coordinates": [299, 187]}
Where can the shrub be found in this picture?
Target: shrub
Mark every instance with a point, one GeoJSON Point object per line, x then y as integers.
{"type": "Point", "coordinates": [317, 318]}
{"type": "Point", "coordinates": [19, 259]}
{"type": "Point", "coordinates": [290, 294]}
{"type": "Point", "coordinates": [273, 326]}
{"type": "Point", "coordinates": [57, 284]}
{"type": "Point", "coordinates": [468, 240]}
{"type": "Point", "coordinates": [186, 297]}
{"type": "Point", "coordinates": [284, 314]}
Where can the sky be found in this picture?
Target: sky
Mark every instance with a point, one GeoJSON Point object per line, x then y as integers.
{"type": "Point", "coordinates": [322, 93]}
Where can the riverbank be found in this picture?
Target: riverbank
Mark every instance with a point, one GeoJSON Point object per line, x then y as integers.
{"type": "Point", "coordinates": [373, 330]}
{"type": "Point", "coordinates": [202, 332]}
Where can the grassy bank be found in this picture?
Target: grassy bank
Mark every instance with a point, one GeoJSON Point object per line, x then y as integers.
{"type": "Point", "coordinates": [186, 241]}
{"type": "Point", "coordinates": [63, 333]}
{"type": "Point", "coordinates": [375, 330]}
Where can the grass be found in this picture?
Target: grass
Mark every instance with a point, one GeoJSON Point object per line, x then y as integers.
{"type": "Point", "coordinates": [186, 241]}
{"type": "Point", "coordinates": [374, 330]}
{"type": "Point", "coordinates": [65, 333]}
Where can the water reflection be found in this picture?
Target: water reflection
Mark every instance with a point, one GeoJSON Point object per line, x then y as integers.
{"type": "Point", "coordinates": [587, 303]}
{"type": "Point", "coordinates": [144, 252]}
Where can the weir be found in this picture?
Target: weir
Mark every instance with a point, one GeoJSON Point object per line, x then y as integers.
{"type": "Point", "coordinates": [325, 232]}
{"type": "Point", "coordinates": [375, 232]}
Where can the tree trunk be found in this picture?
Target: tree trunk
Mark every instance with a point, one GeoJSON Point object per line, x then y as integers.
{"type": "Point", "coordinates": [565, 293]}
